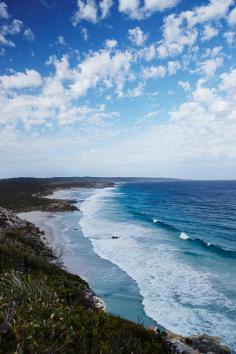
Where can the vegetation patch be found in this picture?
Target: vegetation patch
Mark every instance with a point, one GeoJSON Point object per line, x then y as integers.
{"type": "Point", "coordinates": [45, 309]}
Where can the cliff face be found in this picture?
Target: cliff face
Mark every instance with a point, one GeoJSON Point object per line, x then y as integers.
{"type": "Point", "coordinates": [10, 220]}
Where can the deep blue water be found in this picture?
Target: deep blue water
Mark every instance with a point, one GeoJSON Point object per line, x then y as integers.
{"type": "Point", "coordinates": [173, 261]}
{"type": "Point", "coordinates": [205, 210]}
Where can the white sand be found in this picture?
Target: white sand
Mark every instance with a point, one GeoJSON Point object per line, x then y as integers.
{"type": "Point", "coordinates": [41, 220]}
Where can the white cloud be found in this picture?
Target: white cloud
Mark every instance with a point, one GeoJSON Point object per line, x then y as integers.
{"type": "Point", "coordinates": [84, 33]}
{"type": "Point", "coordinates": [176, 35]}
{"type": "Point", "coordinates": [5, 41]}
{"type": "Point", "coordinates": [136, 92]}
{"type": "Point", "coordinates": [111, 43]}
{"type": "Point", "coordinates": [229, 36]}
{"type": "Point", "coordinates": [147, 53]}
{"type": "Point", "coordinates": [3, 10]}
{"type": "Point", "coordinates": [28, 33]}
{"type": "Point", "coordinates": [29, 79]}
{"type": "Point", "coordinates": [215, 51]}
{"type": "Point", "coordinates": [10, 26]}
{"type": "Point", "coordinates": [182, 30]}
{"type": "Point", "coordinates": [210, 66]}
{"type": "Point", "coordinates": [209, 32]}
{"type": "Point", "coordinates": [105, 68]}
{"type": "Point", "coordinates": [91, 11]}
{"type": "Point", "coordinates": [159, 5]}
{"type": "Point", "coordinates": [184, 85]}
{"type": "Point", "coordinates": [137, 36]}
{"type": "Point", "coordinates": [152, 114]}
{"type": "Point", "coordinates": [94, 11]}
{"type": "Point", "coordinates": [213, 11]}
{"type": "Point", "coordinates": [60, 41]}
{"type": "Point", "coordinates": [130, 8]}
{"type": "Point", "coordinates": [135, 10]}
{"type": "Point", "coordinates": [87, 10]}
{"type": "Point", "coordinates": [154, 71]}
{"type": "Point", "coordinates": [105, 6]}
{"type": "Point", "coordinates": [228, 82]}
{"type": "Point", "coordinates": [232, 17]}
{"type": "Point", "coordinates": [173, 67]}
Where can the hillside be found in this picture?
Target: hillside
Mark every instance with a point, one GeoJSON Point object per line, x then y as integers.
{"type": "Point", "coordinates": [45, 309]}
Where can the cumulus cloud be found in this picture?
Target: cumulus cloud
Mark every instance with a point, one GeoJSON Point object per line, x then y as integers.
{"type": "Point", "coordinates": [28, 33]}
{"type": "Point", "coordinates": [154, 71]}
{"type": "Point", "coordinates": [182, 30]}
{"type": "Point", "coordinates": [87, 10]}
{"type": "Point", "coordinates": [135, 10]}
{"type": "Point", "coordinates": [184, 85]}
{"type": "Point", "coordinates": [94, 11]}
{"type": "Point", "coordinates": [160, 71]}
{"type": "Point", "coordinates": [5, 41]}
{"type": "Point", "coordinates": [29, 79]}
{"type": "Point", "coordinates": [173, 67]}
{"type": "Point", "coordinates": [91, 11]}
{"type": "Point", "coordinates": [209, 32]}
{"type": "Point", "coordinates": [11, 27]}
{"type": "Point", "coordinates": [209, 67]}
{"type": "Point", "coordinates": [232, 17]}
{"type": "Point", "coordinates": [110, 70]}
{"type": "Point", "coordinates": [137, 91]}
{"type": "Point", "coordinates": [3, 10]}
{"type": "Point", "coordinates": [35, 100]}
{"type": "Point", "coordinates": [228, 82]}
{"type": "Point", "coordinates": [105, 6]}
{"type": "Point", "coordinates": [229, 36]}
{"type": "Point", "coordinates": [137, 36]}
{"type": "Point", "coordinates": [111, 43]}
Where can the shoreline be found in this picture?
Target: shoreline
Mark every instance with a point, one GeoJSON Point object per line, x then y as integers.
{"type": "Point", "coordinates": [42, 220]}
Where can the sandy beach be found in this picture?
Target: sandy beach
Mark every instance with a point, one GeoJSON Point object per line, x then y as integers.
{"type": "Point", "coordinates": [41, 219]}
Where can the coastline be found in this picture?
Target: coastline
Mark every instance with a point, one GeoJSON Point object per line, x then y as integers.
{"type": "Point", "coordinates": [85, 263]}
{"type": "Point", "coordinates": [47, 222]}
{"type": "Point", "coordinates": [44, 220]}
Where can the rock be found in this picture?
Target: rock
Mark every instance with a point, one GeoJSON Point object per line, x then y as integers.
{"type": "Point", "coordinates": [10, 221]}
{"type": "Point", "coordinates": [198, 344]}
{"type": "Point", "coordinates": [61, 206]}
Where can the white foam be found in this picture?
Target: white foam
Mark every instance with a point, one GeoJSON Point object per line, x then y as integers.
{"type": "Point", "coordinates": [155, 220]}
{"type": "Point", "coordinates": [184, 236]}
{"type": "Point", "coordinates": [175, 294]}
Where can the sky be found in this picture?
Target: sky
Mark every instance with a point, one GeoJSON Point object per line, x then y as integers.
{"type": "Point", "coordinates": [118, 88]}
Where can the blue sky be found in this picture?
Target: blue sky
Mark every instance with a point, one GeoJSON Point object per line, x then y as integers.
{"type": "Point", "coordinates": [118, 88]}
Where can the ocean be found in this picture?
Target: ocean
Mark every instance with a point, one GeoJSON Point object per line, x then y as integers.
{"type": "Point", "coordinates": [160, 253]}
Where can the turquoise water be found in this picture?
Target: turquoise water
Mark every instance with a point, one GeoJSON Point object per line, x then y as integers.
{"type": "Point", "coordinates": [173, 259]}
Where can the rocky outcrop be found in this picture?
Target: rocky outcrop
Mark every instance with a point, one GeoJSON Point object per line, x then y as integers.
{"type": "Point", "coordinates": [10, 221]}
{"type": "Point", "coordinates": [61, 206]}
{"type": "Point", "coordinates": [198, 344]}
